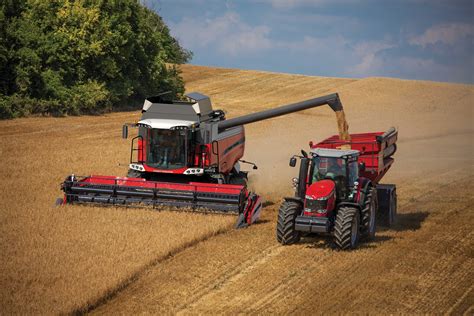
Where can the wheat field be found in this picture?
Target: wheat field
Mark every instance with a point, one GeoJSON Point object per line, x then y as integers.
{"type": "Point", "coordinates": [129, 260]}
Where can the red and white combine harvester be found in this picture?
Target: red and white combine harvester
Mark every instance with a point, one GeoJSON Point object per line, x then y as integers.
{"type": "Point", "coordinates": [338, 191]}
{"type": "Point", "coordinates": [185, 155]}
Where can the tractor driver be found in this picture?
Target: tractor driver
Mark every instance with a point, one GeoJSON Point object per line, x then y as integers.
{"type": "Point", "coordinates": [331, 171]}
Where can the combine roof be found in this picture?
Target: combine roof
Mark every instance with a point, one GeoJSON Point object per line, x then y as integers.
{"type": "Point", "coordinates": [165, 124]}
{"type": "Point", "coordinates": [199, 109]}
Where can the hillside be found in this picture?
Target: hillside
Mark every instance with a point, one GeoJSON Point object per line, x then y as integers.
{"type": "Point", "coordinates": [110, 260]}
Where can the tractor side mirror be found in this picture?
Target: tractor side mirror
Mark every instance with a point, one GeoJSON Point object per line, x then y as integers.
{"type": "Point", "coordinates": [124, 131]}
{"type": "Point", "coordinates": [362, 166]}
{"type": "Point", "coordinates": [292, 161]}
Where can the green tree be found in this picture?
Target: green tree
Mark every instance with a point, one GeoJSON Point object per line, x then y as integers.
{"type": "Point", "coordinates": [84, 56]}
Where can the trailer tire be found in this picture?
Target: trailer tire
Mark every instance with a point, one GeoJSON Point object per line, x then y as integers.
{"type": "Point", "coordinates": [368, 215]}
{"type": "Point", "coordinates": [286, 233]}
{"type": "Point", "coordinates": [134, 174]}
{"type": "Point", "coordinates": [388, 218]}
{"type": "Point", "coordinates": [347, 228]}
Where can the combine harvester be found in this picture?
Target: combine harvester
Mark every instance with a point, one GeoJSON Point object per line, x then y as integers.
{"type": "Point", "coordinates": [338, 190]}
{"type": "Point", "coordinates": [185, 155]}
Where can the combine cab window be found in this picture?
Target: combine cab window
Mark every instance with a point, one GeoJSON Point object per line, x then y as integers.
{"type": "Point", "coordinates": [166, 149]}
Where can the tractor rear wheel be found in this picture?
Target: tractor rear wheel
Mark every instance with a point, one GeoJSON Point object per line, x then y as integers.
{"type": "Point", "coordinates": [368, 215]}
{"type": "Point", "coordinates": [286, 233]}
{"type": "Point", "coordinates": [346, 228]}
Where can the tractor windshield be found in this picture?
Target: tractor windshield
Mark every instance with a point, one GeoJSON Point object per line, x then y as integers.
{"type": "Point", "coordinates": [328, 168]}
{"type": "Point", "coordinates": [344, 172]}
{"type": "Point", "coordinates": [166, 149]}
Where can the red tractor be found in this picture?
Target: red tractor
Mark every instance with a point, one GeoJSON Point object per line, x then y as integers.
{"type": "Point", "coordinates": [338, 190]}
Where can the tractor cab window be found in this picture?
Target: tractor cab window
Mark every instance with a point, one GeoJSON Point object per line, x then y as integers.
{"type": "Point", "coordinates": [166, 149]}
{"type": "Point", "coordinates": [353, 172]}
{"type": "Point", "coordinates": [330, 168]}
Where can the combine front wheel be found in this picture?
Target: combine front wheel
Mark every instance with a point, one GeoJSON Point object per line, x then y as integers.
{"type": "Point", "coordinates": [285, 231]}
{"type": "Point", "coordinates": [346, 228]}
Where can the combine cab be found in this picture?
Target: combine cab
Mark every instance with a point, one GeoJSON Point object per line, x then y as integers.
{"type": "Point", "coordinates": [338, 190]}
{"type": "Point", "coordinates": [185, 155]}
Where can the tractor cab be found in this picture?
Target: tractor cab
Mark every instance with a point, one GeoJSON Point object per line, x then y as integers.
{"type": "Point", "coordinates": [339, 166]}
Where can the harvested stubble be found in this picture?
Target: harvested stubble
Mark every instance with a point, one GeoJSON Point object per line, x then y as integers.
{"type": "Point", "coordinates": [56, 260]}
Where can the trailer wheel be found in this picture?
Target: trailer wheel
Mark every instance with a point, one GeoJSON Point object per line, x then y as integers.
{"type": "Point", "coordinates": [241, 221]}
{"type": "Point", "coordinates": [368, 215]}
{"type": "Point", "coordinates": [388, 217]}
{"type": "Point", "coordinates": [133, 174]}
{"type": "Point", "coordinates": [392, 215]}
{"type": "Point", "coordinates": [286, 233]}
{"type": "Point", "coordinates": [346, 228]}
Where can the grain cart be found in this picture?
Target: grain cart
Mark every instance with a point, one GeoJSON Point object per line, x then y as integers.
{"type": "Point", "coordinates": [185, 155]}
{"type": "Point", "coordinates": [338, 190]}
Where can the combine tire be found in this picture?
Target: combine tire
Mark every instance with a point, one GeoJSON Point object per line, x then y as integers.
{"type": "Point", "coordinates": [346, 228]}
{"type": "Point", "coordinates": [368, 215]}
{"type": "Point", "coordinates": [134, 174]}
{"type": "Point", "coordinates": [285, 230]}
{"type": "Point", "coordinates": [238, 179]}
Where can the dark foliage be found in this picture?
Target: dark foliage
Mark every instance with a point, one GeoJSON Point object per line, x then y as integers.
{"type": "Point", "coordinates": [60, 57]}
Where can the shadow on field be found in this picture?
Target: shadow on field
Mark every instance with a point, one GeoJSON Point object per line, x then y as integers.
{"type": "Point", "coordinates": [407, 221]}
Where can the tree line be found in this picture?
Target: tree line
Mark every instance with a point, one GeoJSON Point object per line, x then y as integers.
{"type": "Point", "coordinates": [70, 57]}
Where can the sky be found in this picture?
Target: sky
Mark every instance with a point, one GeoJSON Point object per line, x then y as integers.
{"type": "Point", "coordinates": [409, 39]}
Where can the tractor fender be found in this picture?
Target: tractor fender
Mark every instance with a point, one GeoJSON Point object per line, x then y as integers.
{"type": "Point", "coordinates": [365, 188]}
{"type": "Point", "coordinates": [294, 199]}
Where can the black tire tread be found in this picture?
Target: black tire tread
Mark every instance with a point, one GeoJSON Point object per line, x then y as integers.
{"type": "Point", "coordinates": [285, 230]}
{"type": "Point", "coordinates": [343, 227]}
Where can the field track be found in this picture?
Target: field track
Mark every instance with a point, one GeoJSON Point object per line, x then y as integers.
{"type": "Point", "coordinates": [107, 260]}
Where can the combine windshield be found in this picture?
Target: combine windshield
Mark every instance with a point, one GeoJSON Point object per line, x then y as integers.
{"type": "Point", "coordinates": [166, 148]}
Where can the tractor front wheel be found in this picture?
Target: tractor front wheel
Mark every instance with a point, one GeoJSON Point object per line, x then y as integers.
{"type": "Point", "coordinates": [346, 228]}
{"type": "Point", "coordinates": [286, 233]}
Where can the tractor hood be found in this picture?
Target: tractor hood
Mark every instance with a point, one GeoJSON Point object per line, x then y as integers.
{"type": "Point", "coordinates": [321, 189]}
